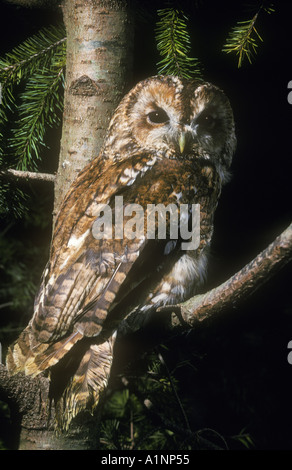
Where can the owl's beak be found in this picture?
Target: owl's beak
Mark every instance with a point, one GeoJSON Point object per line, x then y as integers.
{"type": "Point", "coordinates": [182, 141]}
{"type": "Point", "coordinates": [185, 140]}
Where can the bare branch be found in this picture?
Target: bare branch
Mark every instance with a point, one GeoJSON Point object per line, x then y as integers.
{"type": "Point", "coordinates": [29, 175]}
{"type": "Point", "coordinates": [238, 287]}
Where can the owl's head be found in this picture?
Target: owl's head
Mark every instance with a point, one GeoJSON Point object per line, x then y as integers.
{"type": "Point", "coordinates": [175, 118]}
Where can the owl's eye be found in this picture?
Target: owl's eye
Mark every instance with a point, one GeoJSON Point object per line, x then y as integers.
{"type": "Point", "coordinates": [207, 120]}
{"type": "Point", "coordinates": [158, 117]}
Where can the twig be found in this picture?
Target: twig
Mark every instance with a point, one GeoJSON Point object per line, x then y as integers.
{"type": "Point", "coordinates": [29, 175]}
{"type": "Point", "coordinates": [238, 287]}
{"type": "Point", "coordinates": [6, 304]}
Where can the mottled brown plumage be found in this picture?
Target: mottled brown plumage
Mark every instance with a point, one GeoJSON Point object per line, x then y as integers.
{"type": "Point", "coordinates": [169, 141]}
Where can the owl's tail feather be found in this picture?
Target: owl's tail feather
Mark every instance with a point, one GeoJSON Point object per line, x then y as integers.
{"type": "Point", "coordinates": [87, 384]}
{"type": "Point", "coordinates": [33, 358]}
{"type": "Point", "coordinates": [75, 385]}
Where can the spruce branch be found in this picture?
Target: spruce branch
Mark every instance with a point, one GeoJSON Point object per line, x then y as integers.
{"type": "Point", "coordinates": [40, 108]}
{"type": "Point", "coordinates": [31, 55]}
{"type": "Point", "coordinates": [38, 63]}
{"type": "Point", "coordinates": [174, 45]}
{"type": "Point", "coordinates": [243, 38]}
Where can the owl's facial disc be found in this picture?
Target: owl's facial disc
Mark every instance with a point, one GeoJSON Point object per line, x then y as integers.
{"type": "Point", "coordinates": [167, 128]}
{"type": "Point", "coordinates": [179, 118]}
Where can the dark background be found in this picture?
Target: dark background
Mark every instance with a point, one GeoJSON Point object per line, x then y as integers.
{"type": "Point", "coordinates": [242, 379]}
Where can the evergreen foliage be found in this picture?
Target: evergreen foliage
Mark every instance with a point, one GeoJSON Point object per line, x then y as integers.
{"type": "Point", "coordinates": [243, 38]}
{"type": "Point", "coordinates": [32, 82]}
{"type": "Point", "coordinates": [22, 261]}
{"type": "Point", "coordinates": [32, 79]}
{"type": "Point", "coordinates": [146, 412]}
{"type": "Point", "coordinates": [174, 45]}
{"type": "Point", "coordinates": [137, 416]}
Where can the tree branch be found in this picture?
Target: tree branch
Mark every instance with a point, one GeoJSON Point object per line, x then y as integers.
{"type": "Point", "coordinates": [241, 285]}
{"type": "Point", "coordinates": [31, 175]}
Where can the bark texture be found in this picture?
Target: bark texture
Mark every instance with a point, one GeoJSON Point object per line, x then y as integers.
{"type": "Point", "coordinates": [28, 175]}
{"type": "Point", "coordinates": [98, 72]}
{"type": "Point", "coordinates": [33, 415]}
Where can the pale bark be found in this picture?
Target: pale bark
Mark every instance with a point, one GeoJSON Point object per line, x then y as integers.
{"type": "Point", "coordinates": [28, 175]}
{"type": "Point", "coordinates": [33, 414]}
{"type": "Point", "coordinates": [98, 71]}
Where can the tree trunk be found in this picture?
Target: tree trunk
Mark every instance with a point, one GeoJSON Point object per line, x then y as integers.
{"type": "Point", "coordinates": [33, 417]}
{"type": "Point", "coordinates": [98, 71]}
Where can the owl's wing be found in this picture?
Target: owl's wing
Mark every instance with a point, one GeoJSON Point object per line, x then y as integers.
{"type": "Point", "coordinates": [91, 284]}
{"type": "Point", "coordinates": [80, 285]}
{"type": "Point", "coordinates": [84, 274]}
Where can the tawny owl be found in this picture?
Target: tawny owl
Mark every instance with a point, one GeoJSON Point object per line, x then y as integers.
{"type": "Point", "coordinates": [170, 142]}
